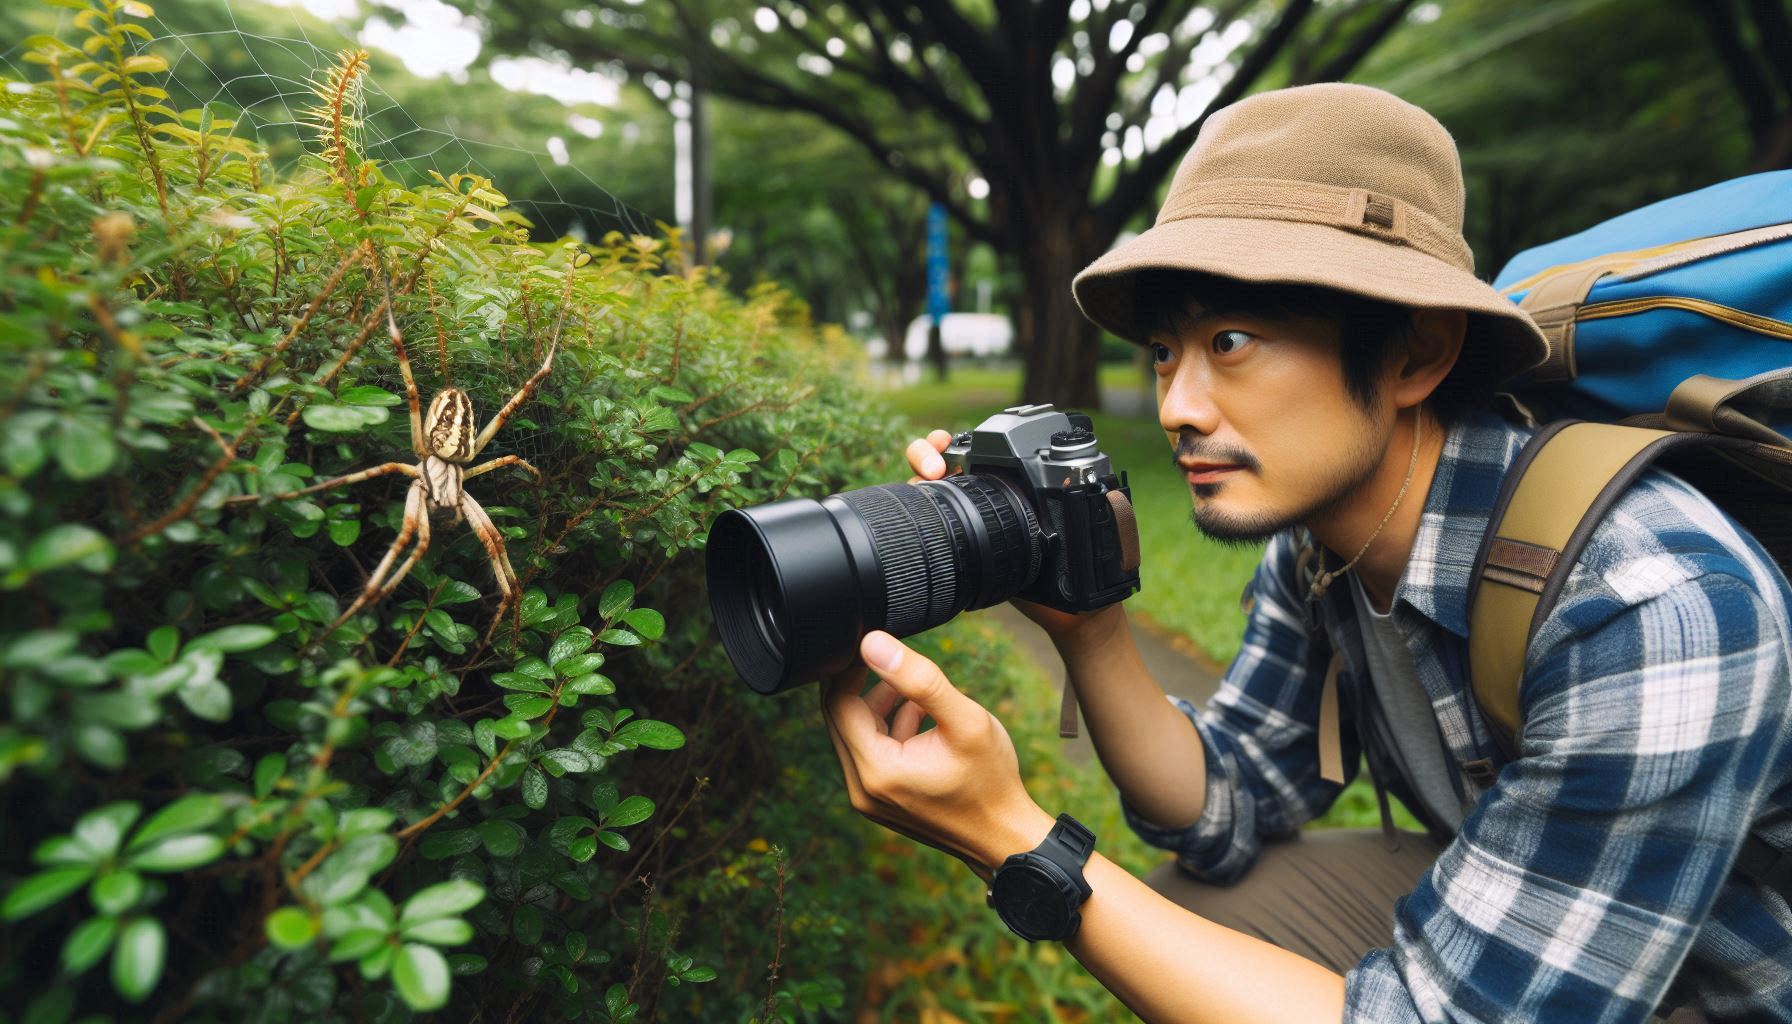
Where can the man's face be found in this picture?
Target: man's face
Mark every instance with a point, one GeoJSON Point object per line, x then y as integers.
{"type": "Point", "coordinates": [1263, 428]}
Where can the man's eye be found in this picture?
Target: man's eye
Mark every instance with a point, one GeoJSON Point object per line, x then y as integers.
{"type": "Point", "coordinates": [1160, 353]}
{"type": "Point", "coordinates": [1227, 342]}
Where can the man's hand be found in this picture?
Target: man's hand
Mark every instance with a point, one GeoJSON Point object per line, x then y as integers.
{"type": "Point", "coordinates": [955, 787]}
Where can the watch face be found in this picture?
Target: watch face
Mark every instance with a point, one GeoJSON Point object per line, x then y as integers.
{"type": "Point", "coordinates": [1031, 901]}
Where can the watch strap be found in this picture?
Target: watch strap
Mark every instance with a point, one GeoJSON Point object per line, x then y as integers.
{"type": "Point", "coordinates": [1073, 837]}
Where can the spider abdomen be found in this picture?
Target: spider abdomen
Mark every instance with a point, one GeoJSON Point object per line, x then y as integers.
{"type": "Point", "coordinates": [448, 429]}
{"type": "Point", "coordinates": [442, 482]}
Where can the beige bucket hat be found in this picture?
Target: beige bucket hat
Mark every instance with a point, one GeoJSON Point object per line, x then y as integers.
{"type": "Point", "coordinates": [1340, 186]}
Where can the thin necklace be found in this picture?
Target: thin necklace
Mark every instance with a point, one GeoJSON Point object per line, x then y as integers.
{"type": "Point", "coordinates": [1324, 580]}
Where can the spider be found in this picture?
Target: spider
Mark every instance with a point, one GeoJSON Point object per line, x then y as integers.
{"type": "Point", "coordinates": [444, 443]}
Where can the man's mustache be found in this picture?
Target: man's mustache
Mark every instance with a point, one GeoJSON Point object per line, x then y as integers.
{"type": "Point", "coordinates": [1192, 447]}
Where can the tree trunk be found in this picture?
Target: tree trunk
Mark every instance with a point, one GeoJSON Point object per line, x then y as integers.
{"type": "Point", "coordinates": [1060, 345]}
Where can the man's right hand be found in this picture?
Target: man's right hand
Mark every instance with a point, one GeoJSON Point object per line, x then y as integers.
{"type": "Point", "coordinates": [924, 458]}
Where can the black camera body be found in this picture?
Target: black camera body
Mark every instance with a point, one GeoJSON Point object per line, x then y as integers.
{"type": "Point", "coordinates": [1088, 536]}
{"type": "Point", "coordinates": [1030, 508]}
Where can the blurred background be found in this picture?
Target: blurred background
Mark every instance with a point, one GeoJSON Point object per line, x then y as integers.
{"type": "Point", "coordinates": [952, 163]}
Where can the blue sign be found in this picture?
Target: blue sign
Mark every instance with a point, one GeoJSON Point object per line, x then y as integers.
{"type": "Point", "coordinates": [939, 303]}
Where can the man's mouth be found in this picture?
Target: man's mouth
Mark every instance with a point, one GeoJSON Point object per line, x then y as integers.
{"type": "Point", "coordinates": [1207, 472]}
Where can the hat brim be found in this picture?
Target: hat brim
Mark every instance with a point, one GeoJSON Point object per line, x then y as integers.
{"type": "Point", "coordinates": [1294, 252]}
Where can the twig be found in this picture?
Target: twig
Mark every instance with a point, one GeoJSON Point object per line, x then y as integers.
{"type": "Point", "coordinates": [185, 507]}
{"type": "Point", "coordinates": [771, 980]}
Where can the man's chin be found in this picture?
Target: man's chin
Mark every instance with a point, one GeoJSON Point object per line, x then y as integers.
{"type": "Point", "coordinates": [1234, 530]}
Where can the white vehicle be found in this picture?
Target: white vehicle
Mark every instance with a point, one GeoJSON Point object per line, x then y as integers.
{"type": "Point", "coordinates": [963, 334]}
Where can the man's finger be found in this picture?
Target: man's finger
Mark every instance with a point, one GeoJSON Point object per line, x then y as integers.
{"type": "Point", "coordinates": [925, 459]}
{"type": "Point", "coordinates": [940, 439]}
{"type": "Point", "coordinates": [920, 681]}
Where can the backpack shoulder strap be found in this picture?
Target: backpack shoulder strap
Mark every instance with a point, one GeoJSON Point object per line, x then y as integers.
{"type": "Point", "coordinates": [1553, 497]}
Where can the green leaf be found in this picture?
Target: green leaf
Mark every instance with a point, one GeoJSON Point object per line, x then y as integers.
{"type": "Point", "coordinates": [137, 960]}
{"type": "Point", "coordinates": [291, 928]}
{"type": "Point", "coordinates": [535, 789]}
{"type": "Point", "coordinates": [566, 829]}
{"type": "Point", "coordinates": [88, 943]}
{"type": "Point", "coordinates": [526, 706]}
{"type": "Point", "coordinates": [208, 700]}
{"type": "Point", "coordinates": [649, 733]}
{"type": "Point", "coordinates": [698, 975]}
{"type": "Point", "coordinates": [741, 455]}
{"type": "Point", "coordinates": [69, 544]}
{"type": "Point", "coordinates": [102, 829]}
{"type": "Point", "coordinates": [484, 738]}
{"type": "Point", "coordinates": [163, 642]}
{"type": "Point", "coordinates": [446, 931]}
{"type": "Point", "coordinates": [343, 419]}
{"type": "Point", "coordinates": [421, 975]}
{"type": "Point", "coordinates": [354, 945]}
{"type": "Point", "coordinates": [234, 639]}
{"type": "Point", "coordinates": [619, 638]}
{"type": "Point", "coordinates": [85, 447]}
{"type": "Point", "coordinates": [614, 840]}
{"type": "Point", "coordinates": [672, 394]}
{"type": "Point", "coordinates": [631, 811]}
{"type": "Point", "coordinates": [441, 900]}
{"type": "Point", "coordinates": [519, 681]}
{"type": "Point", "coordinates": [566, 761]}
{"type": "Point", "coordinates": [582, 849]}
{"type": "Point", "coordinates": [582, 664]}
{"type": "Point", "coordinates": [42, 890]}
{"type": "Point", "coordinates": [647, 622]}
{"type": "Point", "coordinates": [593, 685]}
{"type": "Point", "coordinates": [367, 394]}
{"type": "Point", "coordinates": [188, 814]}
{"type": "Point", "coordinates": [442, 845]}
{"type": "Point", "coordinates": [180, 853]}
{"type": "Point", "coordinates": [617, 598]}
{"type": "Point", "coordinates": [574, 641]}
{"type": "Point", "coordinates": [116, 892]}
{"type": "Point", "coordinates": [526, 924]}
{"type": "Point", "coordinates": [501, 838]}
{"type": "Point", "coordinates": [511, 728]}
{"type": "Point", "coordinates": [343, 532]}
{"type": "Point", "coordinates": [268, 773]}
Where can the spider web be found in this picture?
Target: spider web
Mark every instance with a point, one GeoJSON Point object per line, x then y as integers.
{"type": "Point", "coordinates": [257, 64]}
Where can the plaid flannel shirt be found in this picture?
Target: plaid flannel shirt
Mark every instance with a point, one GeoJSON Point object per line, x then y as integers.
{"type": "Point", "coordinates": [1596, 867]}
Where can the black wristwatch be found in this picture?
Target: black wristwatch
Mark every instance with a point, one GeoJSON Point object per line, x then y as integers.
{"type": "Point", "coordinates": [1038, 894]}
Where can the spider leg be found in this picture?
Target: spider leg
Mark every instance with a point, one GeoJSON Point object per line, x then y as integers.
{"type": "Point", "coordinates": [517, 400]}
{"type": "Point", "coordinates": [499, 463]}
{"type": "Point", "coordinates": [342, 481]}
{"type": "Point", "coordinates": [509, 589]}
{"type": "Point", "coordinates": [404, 366]}
{"type": "Point", "coordinates": [416, 524]}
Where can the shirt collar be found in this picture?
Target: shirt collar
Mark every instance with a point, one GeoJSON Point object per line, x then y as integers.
{"type": "Point", "coordinates": [1477, 452]}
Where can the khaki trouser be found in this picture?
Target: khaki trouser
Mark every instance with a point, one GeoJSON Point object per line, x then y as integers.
{"type": "Point", "coordinates": [1328, 895]}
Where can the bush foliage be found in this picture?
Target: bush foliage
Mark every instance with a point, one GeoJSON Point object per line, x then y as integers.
{"type": "Point", "coordinates": [219, 807]}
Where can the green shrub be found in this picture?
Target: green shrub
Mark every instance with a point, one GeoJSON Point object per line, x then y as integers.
{"type": "Point", "coordinates": [219, 805]}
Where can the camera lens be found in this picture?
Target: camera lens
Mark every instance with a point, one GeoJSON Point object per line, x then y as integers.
{"type": "Point", "coordinates": [795, 584]}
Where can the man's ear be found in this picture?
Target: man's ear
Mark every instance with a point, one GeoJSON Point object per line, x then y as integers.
{"type": "Point", "coordinates": [1433, 343]}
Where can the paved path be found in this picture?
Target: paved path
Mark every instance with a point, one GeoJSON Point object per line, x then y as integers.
{"type": "Point", "coordinates": [1177, 671]}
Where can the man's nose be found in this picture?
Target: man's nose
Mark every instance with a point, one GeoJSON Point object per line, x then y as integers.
{"type": "Point", "coordinates": [1188, 401]}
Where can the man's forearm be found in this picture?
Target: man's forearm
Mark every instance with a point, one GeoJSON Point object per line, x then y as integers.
{"type": "Point", "coordinates": [1168, 964]}
{"type": "Point", "coordinates": [1146, 745]}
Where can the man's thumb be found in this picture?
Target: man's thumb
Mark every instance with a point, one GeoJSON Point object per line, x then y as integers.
{"type": "Point", "coordinates": [915, 677]}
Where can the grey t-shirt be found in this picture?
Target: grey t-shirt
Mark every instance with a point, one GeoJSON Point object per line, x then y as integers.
{"type": "Point", "coordinates": [1410, 724]}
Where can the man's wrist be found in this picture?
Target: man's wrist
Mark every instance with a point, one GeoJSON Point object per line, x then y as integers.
{"type": "Point", "coordinates": [1021, 832]}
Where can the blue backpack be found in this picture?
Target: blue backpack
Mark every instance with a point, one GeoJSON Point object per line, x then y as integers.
{"type": "Point", "coordinates": [1670, 343]}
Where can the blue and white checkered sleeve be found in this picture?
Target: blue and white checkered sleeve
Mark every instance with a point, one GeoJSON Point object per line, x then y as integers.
{"type": "Point", "coordinates": [1258, 737]}
{"type": "Point", "coordinates": [1575, 888]}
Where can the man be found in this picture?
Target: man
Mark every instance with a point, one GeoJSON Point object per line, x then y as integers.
{"type": "Point", "coordinates": [1321, 344]}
